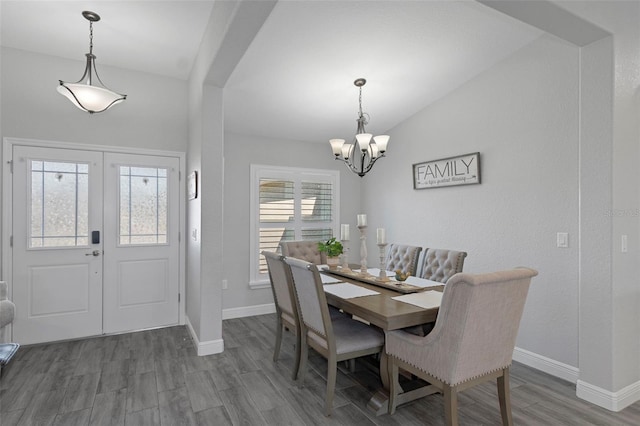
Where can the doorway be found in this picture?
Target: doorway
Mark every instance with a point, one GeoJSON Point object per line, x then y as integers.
{"type": "Point", "coordinates": [95, 242]}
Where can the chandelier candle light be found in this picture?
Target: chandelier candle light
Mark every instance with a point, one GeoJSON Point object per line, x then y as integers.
{"type": "Point", "coordinates": [382, 243]}
{"type": "Point", "coordinates": [89, 93]}
{"type": "Point", "coordinates": [362, 226]}
{"type": "Point", "coordinates": [365, 150]}
{"type": "Point", "coordinates": [344, 237]}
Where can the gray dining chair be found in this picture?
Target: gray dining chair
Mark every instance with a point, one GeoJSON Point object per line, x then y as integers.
{"type": "Point", "coordinates": [284, 298]}
{"type": "Point", "coordinates": [335, 340]}
{"type": "Point", "coordinates": [305, 250]}
{"type": "Point", "coordinates": [472, 341]}
{"type": "Point", "coordinates": [441, 264]}
{"type": "Point", "coordinates": [403, 257]}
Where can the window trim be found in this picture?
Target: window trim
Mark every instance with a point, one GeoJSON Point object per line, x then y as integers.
{"type": "Point", "coordinates": [259, 171]}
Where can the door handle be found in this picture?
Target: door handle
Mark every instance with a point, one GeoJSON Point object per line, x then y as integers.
{"type": "Point", "coordinates": [93, 253]}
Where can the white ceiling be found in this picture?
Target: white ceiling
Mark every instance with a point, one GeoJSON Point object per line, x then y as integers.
{"type": "Point", "coordinates": [295, 81]}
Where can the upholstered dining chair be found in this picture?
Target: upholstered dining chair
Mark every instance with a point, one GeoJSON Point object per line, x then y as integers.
{"type": "Point", "coordinates": [284, 298]}
{"type": "Point", "coordinates": [336, 340]}
{"type": "Point", "coordinates": [441, 264]}
{"type": "Point", "coordinates": [403, 257]}
{"type": "Point", "coordinates": [303, 249]}
{"type": "Point", "coordinates": [472, 341]}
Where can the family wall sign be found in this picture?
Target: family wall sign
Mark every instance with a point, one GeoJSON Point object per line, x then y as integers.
{"type": "Point", "coordinates": [459, 170]}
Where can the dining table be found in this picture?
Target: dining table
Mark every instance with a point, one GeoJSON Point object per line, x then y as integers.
{"type": "Point", "coordinates": [386, 312]}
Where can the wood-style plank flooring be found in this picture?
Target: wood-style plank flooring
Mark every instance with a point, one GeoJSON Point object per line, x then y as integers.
{"type": "Point", "coordinates": [155, 378]}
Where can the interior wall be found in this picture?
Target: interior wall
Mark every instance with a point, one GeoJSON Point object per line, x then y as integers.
{"type": "Point", "coordinates": [522, 116]}
{"type": "Point", "coordinates": [622, 295]}
{"type": "Point", "coordinates": [154, 116]}
{"type": "Point", "coordinates": [240, 152]}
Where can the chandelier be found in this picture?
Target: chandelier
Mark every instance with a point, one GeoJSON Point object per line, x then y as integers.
{"type": "Point", "coordinates": [89, 93]}
{"type": "Point", "coordinates": [365, 149]}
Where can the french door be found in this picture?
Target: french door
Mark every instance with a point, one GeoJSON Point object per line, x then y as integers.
{"type": "Point", "coordinates": [95, 242]}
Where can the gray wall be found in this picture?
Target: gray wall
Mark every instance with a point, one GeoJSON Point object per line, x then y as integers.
{"type": "Point", "coordinates": [154, 116]}
{"type": "Point", "coordinates": [522, 116]}
{"type": "Point", "coordinates": [239, 153]}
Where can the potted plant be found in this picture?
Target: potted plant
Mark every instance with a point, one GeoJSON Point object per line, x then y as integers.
{"type": "Point", "coordinates": [333, 248]}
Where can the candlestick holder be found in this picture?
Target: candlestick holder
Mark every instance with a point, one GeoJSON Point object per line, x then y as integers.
{"type": "Point", "coordinates": [345, 256]}
{"type": "Point", "coordinates": [382, 276]}
{"type": "Point", "coordinates": [363, 250]}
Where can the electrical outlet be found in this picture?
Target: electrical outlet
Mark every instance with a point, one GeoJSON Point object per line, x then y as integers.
{"type": "Point", "coordinates": [225, 285]}
{"type": "Point", "coordinates": [624, 248]}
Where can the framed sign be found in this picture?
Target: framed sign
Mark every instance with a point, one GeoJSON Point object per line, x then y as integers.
{"type": "Point", "coordinates": [192, 186]}
{"type": "Point", "coordinates": [459, 170]}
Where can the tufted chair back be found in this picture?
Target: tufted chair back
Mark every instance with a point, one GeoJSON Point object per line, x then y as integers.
{"type": "Point", "coordinates": [304, 249]}
{"type": "Point", "coordinates": [403, 257]}
{"type": "Point", "coordinates": [440, 264]}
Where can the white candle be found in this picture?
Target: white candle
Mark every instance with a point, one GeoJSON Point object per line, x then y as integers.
{"type": "Point", "coordinates": [344, 232]}
{"type": "Point", "coordinates": [362, 220]}
{"type": "Point", "coordinates": [382, 239]}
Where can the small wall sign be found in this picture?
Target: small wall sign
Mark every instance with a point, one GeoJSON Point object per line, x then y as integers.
{"type": "Point", "coordinates": [459, 170]}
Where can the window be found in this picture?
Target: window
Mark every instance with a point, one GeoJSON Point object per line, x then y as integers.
{"type": "Point", "coordinates": [59, 212]}
{"type": "Point", "coordinates": [289, 204]}
{"type": "Point", "coordinates": [142, 206]}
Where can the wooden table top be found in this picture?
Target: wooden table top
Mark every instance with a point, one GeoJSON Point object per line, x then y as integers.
{"type": "Point", "coordinates": [380, 309]}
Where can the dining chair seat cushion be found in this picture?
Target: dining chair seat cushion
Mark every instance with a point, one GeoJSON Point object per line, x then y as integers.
{"type": "Point", "coordinates": [351, 336]}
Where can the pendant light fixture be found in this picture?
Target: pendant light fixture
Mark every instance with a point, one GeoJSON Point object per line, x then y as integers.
{"type": "Point", "coordinates": [365, 149]}
{"type": "Point", "coordinates": [89, 93]}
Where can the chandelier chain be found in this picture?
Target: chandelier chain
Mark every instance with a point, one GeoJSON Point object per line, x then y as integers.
{"type": "Point", "coordinates": [91, 37]}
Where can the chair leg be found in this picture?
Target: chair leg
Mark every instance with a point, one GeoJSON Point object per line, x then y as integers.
{"type": "Point", "coordinates": [304, 354]}
{"type": "Point", "coordinates": [394, 385]}
{"type": "Point", "coordinates": [332, 372]}
{"type": "Point", "coordinates": [352, 365]}
{"type": "Point", "coordinates": [276, 350]}
{"type": "Point", "coordinates": [504, 396]}
{"type": "Point", "coordinates": [450, 405]}
{"type": "Point", "coordinates": [296, 364]}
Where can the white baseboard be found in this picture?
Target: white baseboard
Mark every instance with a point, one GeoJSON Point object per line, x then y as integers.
{"type": "Point", "coordinates": [547, 365]}
{"type": "Point", "coordinates": [248, 311]}
{"type": "Point", "coordinates": [613, 401]}
{"type": "Point", "coordinates": [210, 347]}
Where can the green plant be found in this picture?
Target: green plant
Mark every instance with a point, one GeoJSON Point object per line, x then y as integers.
{"type": "Point", "coordinates": [332, 247]}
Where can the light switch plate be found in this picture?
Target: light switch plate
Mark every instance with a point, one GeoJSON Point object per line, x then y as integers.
{"type": "Point", "coordinates": [562, 239]}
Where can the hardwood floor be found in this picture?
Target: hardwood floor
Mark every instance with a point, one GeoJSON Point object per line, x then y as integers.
{"type": "Point", "coordinates": [155, 378]}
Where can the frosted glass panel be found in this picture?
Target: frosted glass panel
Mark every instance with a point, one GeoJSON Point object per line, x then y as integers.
{"type": "Point", "coordinates": [59, 207]}
{"type": "Point", "coordinates": [143, 205]}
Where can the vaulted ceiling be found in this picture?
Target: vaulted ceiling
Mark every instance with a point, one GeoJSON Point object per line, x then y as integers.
{"type": "Point", "coordinates": [295, 81]}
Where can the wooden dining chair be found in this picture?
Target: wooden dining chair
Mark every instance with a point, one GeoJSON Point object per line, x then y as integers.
{"type": "Point", "coordinates": [403, 257]}
{"type": "Point", "coordinates": [472, 341]}
{"type": "Point", "coordinates": [304, 250]}
{"type": "Point", "coordinates": [284, 298]}
{"type": "Point", "coordinates": [336, 340]}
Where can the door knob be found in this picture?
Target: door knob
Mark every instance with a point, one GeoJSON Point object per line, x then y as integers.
{"type": "Point", "coordinates": [93, 253]}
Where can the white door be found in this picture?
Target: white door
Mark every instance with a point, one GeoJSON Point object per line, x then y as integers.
{"type": "Point", "coordinates": [95, 243]}
{"type": "Point", "coordinates": [57, 270]}
{"type": "Point", "coordinates": [141, 255]}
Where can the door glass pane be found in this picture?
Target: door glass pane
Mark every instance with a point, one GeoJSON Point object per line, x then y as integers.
{"type": "Point", "coordinates": [59, 204]}
{"type": "Point", "coordinates": [143, 205]}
